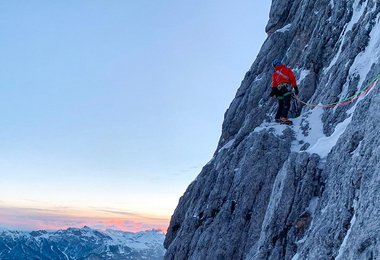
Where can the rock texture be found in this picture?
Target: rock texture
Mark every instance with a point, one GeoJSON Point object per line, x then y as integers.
{"type": "Point", "coordinates": [311, 191]}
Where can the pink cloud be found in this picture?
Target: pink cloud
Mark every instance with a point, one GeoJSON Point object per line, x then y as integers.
{"type": "Point", "coordinates": [61, 218]}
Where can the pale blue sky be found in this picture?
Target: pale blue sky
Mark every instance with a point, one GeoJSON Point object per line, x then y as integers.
{"type": "Point", "coordinates": [117, 104]}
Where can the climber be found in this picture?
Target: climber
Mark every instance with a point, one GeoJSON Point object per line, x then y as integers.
{"type": "Point", "coordinates": [283, 85]}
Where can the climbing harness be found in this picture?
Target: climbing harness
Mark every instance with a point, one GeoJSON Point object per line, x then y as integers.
{"type": "Point", "coordinates": [348, 100]}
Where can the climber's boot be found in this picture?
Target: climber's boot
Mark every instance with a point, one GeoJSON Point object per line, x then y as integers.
{"type": "Point", "coordinates": [285, 121]}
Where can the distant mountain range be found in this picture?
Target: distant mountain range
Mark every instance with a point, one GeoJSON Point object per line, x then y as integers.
{"type": "Point", "coordinates": [81, 243]}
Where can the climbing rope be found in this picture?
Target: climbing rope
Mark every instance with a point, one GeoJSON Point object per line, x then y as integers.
{"type": "Point", "coordinates": [346, 101]}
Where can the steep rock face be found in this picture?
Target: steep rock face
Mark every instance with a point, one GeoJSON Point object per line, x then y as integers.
{"type": "Point", "coordinates": [310, 191]}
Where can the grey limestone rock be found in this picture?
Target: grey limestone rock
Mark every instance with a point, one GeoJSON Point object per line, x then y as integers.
{"type": "Point", "coordinates": [310, 191]}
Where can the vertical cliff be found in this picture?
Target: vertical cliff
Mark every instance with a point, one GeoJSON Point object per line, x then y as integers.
{"type": "Point", "coordinates": [309, 191]}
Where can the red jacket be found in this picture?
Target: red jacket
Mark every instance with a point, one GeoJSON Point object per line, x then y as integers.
{"type": "Point", "coordinates": [283, 74]}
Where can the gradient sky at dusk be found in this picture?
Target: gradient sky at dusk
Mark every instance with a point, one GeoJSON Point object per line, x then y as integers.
{"type": "Point", "coordinates": [109, 109]}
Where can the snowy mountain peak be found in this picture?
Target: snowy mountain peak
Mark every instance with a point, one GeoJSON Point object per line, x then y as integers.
{"type": "Point", "coordinates": [81, 243]}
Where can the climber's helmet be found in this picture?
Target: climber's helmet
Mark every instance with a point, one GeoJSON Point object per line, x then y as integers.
{"type": "Point", "coordinates": [276, 62]}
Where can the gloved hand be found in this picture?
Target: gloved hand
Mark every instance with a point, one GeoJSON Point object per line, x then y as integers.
{"type": "Point", "coordinates": [295, 90]}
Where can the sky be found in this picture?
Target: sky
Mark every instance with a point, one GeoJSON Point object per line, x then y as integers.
{"type": "Point", "coordinates": [109, 109]}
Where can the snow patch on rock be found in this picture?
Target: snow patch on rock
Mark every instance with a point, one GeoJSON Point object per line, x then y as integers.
{"type": "Point", "coordinates": [364, 61]}
{"type": "Point", "coordinates": [358, 12]}
{"type": "Point", "coordinates": [308, 129]}
{"type": "Point", "coordinates": [275, 128]}
{"type": "Point", "coordinates": [324, 144]}
{"type": "Point", "coordinates": [284, 29]}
